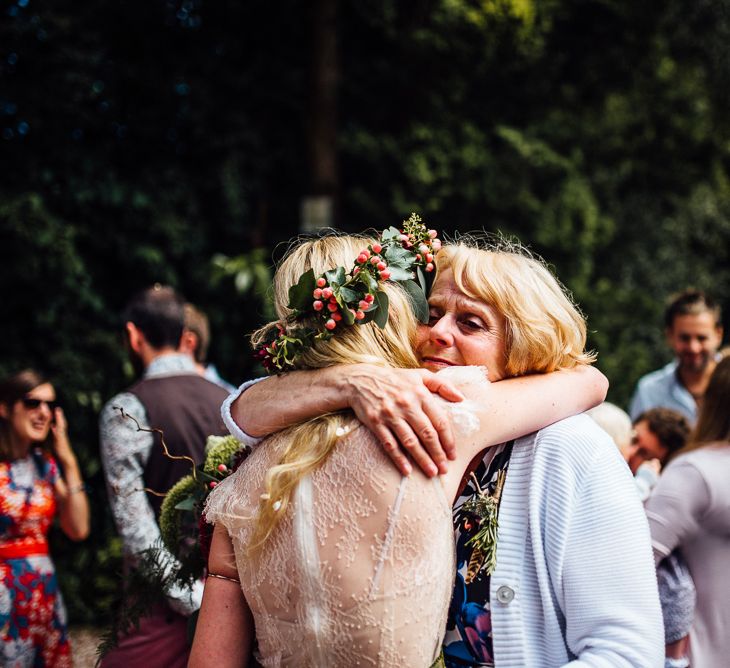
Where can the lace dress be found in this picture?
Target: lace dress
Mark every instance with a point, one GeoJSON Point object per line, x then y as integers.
{"type": "Point", "coordinates": [360, 570]}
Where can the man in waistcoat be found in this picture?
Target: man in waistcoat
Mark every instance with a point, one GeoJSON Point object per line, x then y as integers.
{"type": "Point", "coordinates": [172, 397]}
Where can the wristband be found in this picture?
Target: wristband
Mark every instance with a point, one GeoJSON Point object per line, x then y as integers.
{"type": "Point", "coordinates": [74, 489]}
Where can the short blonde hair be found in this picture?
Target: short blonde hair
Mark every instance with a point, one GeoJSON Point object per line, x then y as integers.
{"type": "Point", "coordinates": [615, 422]}
{"type": "Point", "coordinates": [544, 330]}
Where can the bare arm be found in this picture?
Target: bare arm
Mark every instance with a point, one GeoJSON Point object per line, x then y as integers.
{"type": "Point", "coordinates": [519, 406]}
{"type": "Point", "coordinates": [224, 634]}
{"type": "Point", "coordinates": [397, 405]}
{"type": "Point", "coordinates": [72, 501]}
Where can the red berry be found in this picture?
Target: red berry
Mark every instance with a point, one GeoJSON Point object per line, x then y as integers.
{"type": "Point", "coordinates": [429, 257]}
{"type": "Point", "coordinates": [321, 282]}
{"type": "Point", "coordinates": [385, 275]}
{"type": "Point", "coordinates": [374, 260]}
{"type": "Point", "coordinates": [356, 271]}
{"type": "Point", "coordinates": [381, 266]}
{"type": "Point", "coordinates": [418, 257]}
{"type": "Point", "coordinates": [433, 234]}
{"type": "Point", "coordinates": [317, 293]}
{"type": "Point", "coordinates": [213, 484]}
{"type": "Point", "coordinates": [362, 258]}
{"type": "Point", "coordinates": [363, 304]}
{"type": "Point", "coordinates": [327, 293]}
{"type": "Point", "coordinates": [318, 305]}
{"type": "Point", "coordinates": [436, 244]}
{"type": "Point", "coordinates": [429, 266]}
{"type": "Point", "coordinates": [377, 248]}
{"type": "Point", "coordinates": [222, 468]}
{"type": "Point", "coordinates": [332, 307]}
{"type": "Point", "coordinates": [402, 237]}
{"type": "Point", "coordinates": [423, 249]}
{"type": "Point", "coordinates": [369, 298]}
{"type": "Point", "coordinates": [365, 252]}
{"type": "Point", "coordinates": [336, 317]}
{"type": "Point", "coordinates": [359, 315]}
{"type": "Point", "coordinates": [330, 324]}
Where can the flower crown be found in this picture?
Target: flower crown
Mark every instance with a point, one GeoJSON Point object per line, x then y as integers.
{"type": "Point", "coordinates": [338, 298]}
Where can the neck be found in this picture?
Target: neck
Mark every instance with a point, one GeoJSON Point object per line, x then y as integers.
{"type": "Point", "coordinates": [19, 449]}
{"type": "Point", "coordinates": [151, 354]}
{"type": "Point", "coordinates": [696, 381]}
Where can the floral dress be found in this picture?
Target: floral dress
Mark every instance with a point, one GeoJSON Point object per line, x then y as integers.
{"type": "Point", "coordinates": [32, 616]}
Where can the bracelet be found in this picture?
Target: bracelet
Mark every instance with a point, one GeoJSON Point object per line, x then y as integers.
{"type": "Point", "coordinates": [74, 489]}
{"type": "Point", "coordinates": [224, 577]}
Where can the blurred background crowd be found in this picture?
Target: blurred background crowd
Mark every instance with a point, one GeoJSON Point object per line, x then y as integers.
{"type": "Point", "coordinates": [182, 141]}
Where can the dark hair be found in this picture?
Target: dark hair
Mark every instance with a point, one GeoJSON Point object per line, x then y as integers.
{"type": "Point", "coordinates": [12, 389]}
{"type": "Point", "coordinates": [669, 426]}
{"type": "Point", "coordinates": [197, 322]}
{"type": "Point", "coordinates": [158, 312]}
{"type": "Point", "coordinates": [713, 423]}
{"type": "Point", "coordinates": [691, 302]}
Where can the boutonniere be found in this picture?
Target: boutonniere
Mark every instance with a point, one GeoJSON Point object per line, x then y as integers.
{"type": "Point", "coordinates": [485, 507]}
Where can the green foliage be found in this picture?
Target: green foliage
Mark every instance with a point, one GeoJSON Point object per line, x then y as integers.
{"type": "Point", "coordinates": [595, 131]}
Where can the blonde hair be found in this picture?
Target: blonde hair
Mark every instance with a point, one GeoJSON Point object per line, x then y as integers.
{"type": "Point", "coordinates": [310, 443]}
{"type": "Point", "coordinates": [544, 330]}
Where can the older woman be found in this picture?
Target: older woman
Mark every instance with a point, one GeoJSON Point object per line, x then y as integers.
{"type": "Point", "coordinates": [574, 577]}
{"type": "Point", "coordinates": [32, 489]}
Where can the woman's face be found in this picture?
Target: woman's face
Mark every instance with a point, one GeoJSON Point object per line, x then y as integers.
{"type": "Point", "coordinates": [461, 331]}
{"type": "Point", "coordinates": [30, 417]}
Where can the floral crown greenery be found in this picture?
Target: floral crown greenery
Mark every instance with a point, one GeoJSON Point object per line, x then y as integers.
{"type": "Point", "coordinates": [339, 298]}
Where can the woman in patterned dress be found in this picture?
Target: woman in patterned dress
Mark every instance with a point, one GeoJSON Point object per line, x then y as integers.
{"type": "Point", "coordinates": [32, 489]}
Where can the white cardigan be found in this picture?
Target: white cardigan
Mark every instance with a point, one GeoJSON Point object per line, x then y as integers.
{"type": "Point", "coordinates": [575, 582]}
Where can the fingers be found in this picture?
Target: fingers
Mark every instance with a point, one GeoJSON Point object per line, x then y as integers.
{"type": "Point", "coordinates": [412, 444]}
{"type": "Point", "coordinates": [439, 438]}
{"type": "Point", "coordinates": [392, 449]}
{"type": "Point", "coordinates": [443, 388]}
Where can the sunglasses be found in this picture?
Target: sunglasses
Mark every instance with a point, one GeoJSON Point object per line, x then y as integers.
{"type": "Point", "coordinates": [30, 403]}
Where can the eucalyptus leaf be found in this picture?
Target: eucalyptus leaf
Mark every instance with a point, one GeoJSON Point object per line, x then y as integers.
{"type": "Point", "coordinates": [418, 300]}
{"type": "Point", "coordinates": [335, 276]}
{"type": "Point", "coordinates": [348, 294]}
{"type": "Point", "coordinates": [421, 277]}
{"type": "Point", "coordinates": [399, 274]}
{"type": "Point", "coordinates": [347, 317]}
{"type": "Point", "coordinates": [396, 254]}
{"type": "Point", "coordinates": [390, 234]}
{"type": "Point", "coordinates": [300, 295]}
{"type": "Point", "coordinates": [381, 312]}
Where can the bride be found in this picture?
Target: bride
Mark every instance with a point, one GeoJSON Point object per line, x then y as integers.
{"type": "Point", "coordinates": [342, 561]}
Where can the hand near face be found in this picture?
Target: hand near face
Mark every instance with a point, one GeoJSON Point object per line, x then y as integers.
{"type": "Point", "coordinates": [59, 430]}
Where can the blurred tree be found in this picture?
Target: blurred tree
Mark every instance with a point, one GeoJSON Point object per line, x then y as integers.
{"type": "Point", "coordinates": [172, 141]}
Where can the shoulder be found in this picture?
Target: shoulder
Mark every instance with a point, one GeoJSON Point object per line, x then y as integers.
{"type": "Point", "coordinates": [124, 401]}
{"type": "Point", "coordinates": [657, 378]}
{"type": "Point", "coordinates": [707, 460]}
{"type": "Point", "coordinates": [577, 449]}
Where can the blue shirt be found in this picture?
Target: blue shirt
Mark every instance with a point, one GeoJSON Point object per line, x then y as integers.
{"type": "Point", "coordinates": [662, 389]}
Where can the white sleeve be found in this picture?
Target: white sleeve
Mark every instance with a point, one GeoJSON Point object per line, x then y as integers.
{"type": "Point", "coordinates": [230, 423]}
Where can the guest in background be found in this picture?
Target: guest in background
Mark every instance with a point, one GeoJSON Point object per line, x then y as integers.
{"type": "Point", "coordinates": [690, 510]}
{"type": "Point", "coordinates": [39, 477]}
{"type": "Point", "coordinates": [693, 327]}
{"type": "Point", "coordinates": [195, 340]}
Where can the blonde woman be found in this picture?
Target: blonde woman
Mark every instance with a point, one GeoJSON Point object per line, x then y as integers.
{"type": "Point", "coordinates": [689, 511]}
{"type": "Point", "coordinates": [342, 561]}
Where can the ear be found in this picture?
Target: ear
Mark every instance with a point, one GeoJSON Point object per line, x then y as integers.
{"type": "Point", "coordinates": [135, 337]}
{"type": "Point", "coordinates": [188, 343]}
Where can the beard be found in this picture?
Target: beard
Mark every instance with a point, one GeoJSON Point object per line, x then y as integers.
{"type": "Point", "coordinates": [695, 363]}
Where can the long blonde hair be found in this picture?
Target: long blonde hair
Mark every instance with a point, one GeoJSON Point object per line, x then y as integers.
{"type": "Point", "coordinates": [544, 330]}
{"type": "Point", "coordinates": [310, 443]}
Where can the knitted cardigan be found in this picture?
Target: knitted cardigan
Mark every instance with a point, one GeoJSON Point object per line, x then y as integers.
{"type": "Point", "coordinates": [575, 581]}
